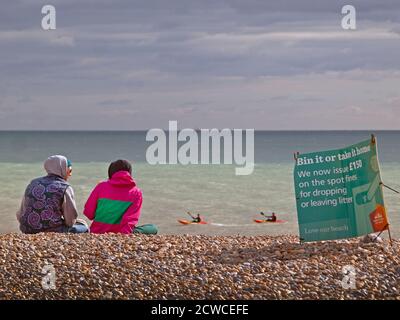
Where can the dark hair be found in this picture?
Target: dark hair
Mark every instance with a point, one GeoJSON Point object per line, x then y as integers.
{"type": "Point", "coordinates": [119, 165]}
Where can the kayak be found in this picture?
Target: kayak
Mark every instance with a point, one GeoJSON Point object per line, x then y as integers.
{"type": "Point", "coordinates": [191, 222]}
{"type": "Point", "coordinates": [266, 221]}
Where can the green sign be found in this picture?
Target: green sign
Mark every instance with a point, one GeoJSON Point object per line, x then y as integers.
{"type": "Point", "coordinates": [339, 193]}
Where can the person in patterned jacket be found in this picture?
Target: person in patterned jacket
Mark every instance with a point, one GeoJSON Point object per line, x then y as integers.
{"type": "Point", "coordinates": [48, 204]}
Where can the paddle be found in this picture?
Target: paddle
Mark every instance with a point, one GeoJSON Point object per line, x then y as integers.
{"type": "Point", "coordinates": [190, 215]}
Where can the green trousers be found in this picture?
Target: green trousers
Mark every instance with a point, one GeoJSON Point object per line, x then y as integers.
{"type": "Point", "coordinates": [146, 229]}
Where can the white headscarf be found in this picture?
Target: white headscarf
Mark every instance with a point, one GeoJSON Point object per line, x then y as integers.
{"type": "Point", "coordinates": [56, 165]}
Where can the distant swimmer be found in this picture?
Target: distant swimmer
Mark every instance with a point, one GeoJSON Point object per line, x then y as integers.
{"type": "Point", "coordinates": [271, 218]}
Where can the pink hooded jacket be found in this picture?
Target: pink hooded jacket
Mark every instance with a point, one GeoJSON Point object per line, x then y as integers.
{"type": "Point", "coordinates": [114, 205]}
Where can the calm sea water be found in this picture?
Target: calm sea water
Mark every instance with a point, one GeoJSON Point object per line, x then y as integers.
{"type": "Point", "coordinates": [228, 201]}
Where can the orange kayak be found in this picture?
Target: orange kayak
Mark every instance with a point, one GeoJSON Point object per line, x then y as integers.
{"type": "Point", "coordinates": [266, 221]}
{"type": "Point", "coordinates": [191, 222]}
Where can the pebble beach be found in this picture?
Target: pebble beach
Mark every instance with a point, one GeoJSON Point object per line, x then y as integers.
{"type": "Point", "coordinates": [112, 266]}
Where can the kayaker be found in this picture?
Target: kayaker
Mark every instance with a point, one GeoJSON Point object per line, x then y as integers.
{"type": "Point", "coordinates": [48, 204]}
{"type": "Point", "coordinates": [115, 204]}
{"type": "Point", "coordinates": [271, 218]}
{"type": "Point", "coordinates": [196, 219]}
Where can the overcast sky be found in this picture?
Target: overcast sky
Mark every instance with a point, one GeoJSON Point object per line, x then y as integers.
{"type": "Point", "coordinates": [259, 64]}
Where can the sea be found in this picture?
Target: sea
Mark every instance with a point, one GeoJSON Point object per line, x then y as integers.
{"type": "Point", "coordinates": [229, 202]}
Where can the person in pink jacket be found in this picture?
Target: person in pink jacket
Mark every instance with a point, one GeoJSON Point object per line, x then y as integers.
{"type": "Point", "coordinates": [114, 205]}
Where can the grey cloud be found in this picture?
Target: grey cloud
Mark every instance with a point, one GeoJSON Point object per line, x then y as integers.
{"type": "Point", "coordinates": [115, 102]}
{"type": "Point", "coordinates": [198, 60]}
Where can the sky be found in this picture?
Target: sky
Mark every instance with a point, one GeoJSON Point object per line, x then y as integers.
{"type": "Point", "coordinates": [262, 64]}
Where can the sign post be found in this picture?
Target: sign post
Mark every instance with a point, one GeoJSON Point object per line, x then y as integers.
{"type": "Point", "coordinates": [339, 193]}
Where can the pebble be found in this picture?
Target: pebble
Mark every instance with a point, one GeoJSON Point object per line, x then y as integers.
{"type": "Point", "coordinates": [202, 267]}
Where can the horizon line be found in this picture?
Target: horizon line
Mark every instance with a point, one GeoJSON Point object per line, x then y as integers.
{"type": "Point", "coordinates": [198, 129]}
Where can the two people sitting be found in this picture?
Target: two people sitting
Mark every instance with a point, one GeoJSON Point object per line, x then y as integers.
{"type": "Point", "coordinates": [114, 205]}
